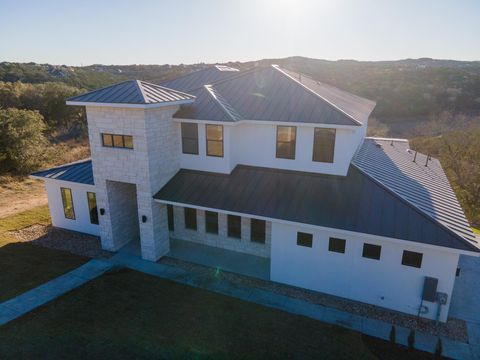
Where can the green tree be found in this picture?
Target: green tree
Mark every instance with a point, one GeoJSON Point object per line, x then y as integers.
{"type": "Point", "coordinates": [22, 142]}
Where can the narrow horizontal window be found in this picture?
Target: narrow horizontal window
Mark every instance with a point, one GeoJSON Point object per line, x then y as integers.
{"type": "Point", "coordinates": [336, 245]}
{"type": "Point", "coordinates": [190, 218]}
{"type": "Point", "coordinates": [286, 142]}
{"type": "Point", "coordinates": [411, 258]}
{"type": "Point", "coordinates": [234, 226]}
{"type": "Point", "coordinates": [171, 221]}
{"type": "Point", "coordinates": [211, 222]}
{"type": "Point", "coordinates": [92, 207]}
{"type": "Point", "coordinates": [324, 145]}
{"type": "Point", "coordinates": [257, 230]}
{"type": "Point", "coordinates": [117, 141]}
{"type": "Point", "coordinates": [190, 138]}
{"type": "Point", "coordinates": [304, 239]}
{"type": "Point", "coordinates": [371, 251]}
{"type": "Point", "coordinates": [67, 201]}
{"type": "Point", "coordinates": [214, 140]}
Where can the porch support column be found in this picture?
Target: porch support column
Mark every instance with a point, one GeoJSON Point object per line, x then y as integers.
{"type": "Point", "coordinates": [154, 234]}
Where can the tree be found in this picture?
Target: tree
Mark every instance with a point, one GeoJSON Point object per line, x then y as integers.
{"type": "Point", "coordinates": [22, 142]}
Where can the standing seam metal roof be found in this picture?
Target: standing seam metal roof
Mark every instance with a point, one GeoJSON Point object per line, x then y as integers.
{"type": "Point", "coordinates": [78, 172]}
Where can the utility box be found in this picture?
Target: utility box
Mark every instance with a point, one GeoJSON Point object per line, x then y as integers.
{"type": "Point", "coordinates": [430, 289]}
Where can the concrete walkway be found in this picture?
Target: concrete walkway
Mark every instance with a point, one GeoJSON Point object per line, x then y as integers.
{"type": "Point", "coordinates": [32, 299]}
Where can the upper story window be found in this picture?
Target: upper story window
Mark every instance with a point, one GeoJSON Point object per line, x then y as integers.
{"type": "Point", "coordinates": [304, 239]}
{"type": "Point", "coordinates": [190, 138]}
{"type": "Point", "coordinates": [324, 145]}
{"type": "Point", "coordinates": [117, 141]}
{"type": "Point", "coordinates": [92, 207]}
{"type": "Point", "coordinates": [336, 245]}
{"type": "Point", "coordinates": [412, 258]}
{"type": "Point", "coordinates": [214, 140]}
{"type": "Point", "coordinates": [67, 201]}
{"type": "Point", "coordinates": [371, 251]}
{"type": "Point", "coordinates": [286, 141]}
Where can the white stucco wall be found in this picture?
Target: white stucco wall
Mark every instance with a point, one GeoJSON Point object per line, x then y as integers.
{"type": "Point", "coordinates": [385, 282]}
{"type": "Point", "coordinates": [254, 144]}
{"type": "Point", "coordinates": [80, 204]}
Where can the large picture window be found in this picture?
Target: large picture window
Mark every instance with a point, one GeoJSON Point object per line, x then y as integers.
{"type": "Point", "coordinates": [214, 140]}
{"type": "Point", "coordinates": [324, 145]}
{"type": "Point", "coordinates": [92, 207]}
{"type": "Point", "coordinates": [117, 141]}
{"type": "Point", "coordinates": [286, 141]}
{"type": "Point", "coordinates": [67, 201]}
{"type": "Point", "coordinates": [190, 138]}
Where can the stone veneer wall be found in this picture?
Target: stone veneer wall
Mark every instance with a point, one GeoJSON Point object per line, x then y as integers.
{"type": "Point", "coordinates": [153, 161]}
{"type": "Point", "coordinates": [221, 240]}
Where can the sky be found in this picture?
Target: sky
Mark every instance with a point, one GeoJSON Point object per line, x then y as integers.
{"type": "Point", "coordinates": [84, 32]}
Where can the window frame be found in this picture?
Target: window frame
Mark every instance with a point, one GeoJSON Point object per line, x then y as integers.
{"type": "Point", "coordinates": [230, 228]}
{"type": "Point", "coordinates": [411, 264]}
{"type": "Point", "coordinates": [254, 234]}
{"type": "Point", "coordinates": [333, 247]}
{"type": "Point", "coordinates": [170, 218]}
{"type": "Point", "coordinates": [286, 142]}
{"type": "Point", "coordinates": [300, 242]}
{"type": "Point", "coordinates": [207, 140]}
{"type": "Point", "coordinates": [371, 246]}
{"type": "Point", "coordinates": [90, 209]}
{"type": "Point", "coordinates": [184, 125]}
{"type": "Point", "coordinates": [211, 214]}
{"type": "Point", "coordinates": [194, 223]}
{"type": "Point", "coordinates": [62, 192]}
{"type": "Point", "coordinates": [314, 142]}
{"type": "Point", "coordinates": [111, 136]}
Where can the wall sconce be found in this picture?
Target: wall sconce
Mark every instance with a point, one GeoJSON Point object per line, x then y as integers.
{"type": "Point", "coordinates": [144, 219]}
{"type": "Point", "coordinates": [102, 211]}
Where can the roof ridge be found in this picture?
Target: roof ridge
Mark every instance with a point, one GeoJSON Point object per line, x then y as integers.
{"type": "Point", "coordinates": [417, 209]}
{"type": "Point", "coordinates": [140, 88]}
{"type": "Point", "coordinates": [223, 102]}
{"type": "Point", "coordinates": [277, 67]}
{"type": "Point", "coordinates": [100, 89]}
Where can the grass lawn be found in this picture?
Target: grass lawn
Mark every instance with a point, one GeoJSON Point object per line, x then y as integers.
{"type": "Point", "coordinates": [24, 266]}
{"type": "Point", "coordinates": [127, 314]}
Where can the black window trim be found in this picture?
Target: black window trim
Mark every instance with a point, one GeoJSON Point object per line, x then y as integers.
{"type": "Point", "coordinates": [206, 222]}
{"type": "Point", "coordinates": [222, 141]}
{"type": "Point", "coordinates": [111, 138]}
{"type": "Point", "coordinates": [294, 147]}
{"type": "Point", "coordinates": [229, 234]}
{"type": "Point", "coordinates": [370, 257]}
{"type": "Point", "coordinates": [411, 264]}
{"type": "Point", "coordinates": [184, 137]}
{"type": "Point", "coordinates": [334, 141]}
{"type": "Point", "coordinates": [304, 233]}
{"type": "Point", "coordinates": [63, 203]}
{"type": "Point", "coordinates": [170, 218]}
{"type": "Point", "coordinates": [90, 210]}
{"type": "Point", "coordinates": [185, 211]}
{"type": "Point", "coordinates": [333, 239]}
{"type": "Point", "coordinates": [264, 240]}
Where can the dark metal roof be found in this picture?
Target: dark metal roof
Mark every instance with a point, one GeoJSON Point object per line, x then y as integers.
{"type": "Point", "coordinates": [199, 78]}
{"type": "Point", "coordinates": [78, 172]}
{"type": "Point", "coordinates": [354, 202]}
{"type": "Point", "coordinates": [133, 92]}
{"type": "Point", "coordinates": [390, 162]}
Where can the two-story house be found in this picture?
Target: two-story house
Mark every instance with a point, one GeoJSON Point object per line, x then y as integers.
{"type": "Point", "coordinates": [270, 163]}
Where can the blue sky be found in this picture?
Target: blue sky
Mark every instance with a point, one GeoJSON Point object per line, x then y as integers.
{"type": "Point", "coordinates": [188, 31]}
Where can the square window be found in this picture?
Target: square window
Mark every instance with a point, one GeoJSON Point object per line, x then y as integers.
{"type": "Point", "coordinates": [257, 230]}
{"type": "Point", "coordinates": [336, 245]}
{"type": "Point", "coordinates": [304, 239]}
{"type": "Point", "coordinates": [371, 251]}
{"type": "Point", "coordinates": [411, 258]}
{"type": "Point", "coordinates": [190, 218]}
{"type": "Point", "coordinates": [211, 222]}
{"type": "Point", "coordinates": [107, 140]}
{"type": "Point", "coordinates": [234, 226]}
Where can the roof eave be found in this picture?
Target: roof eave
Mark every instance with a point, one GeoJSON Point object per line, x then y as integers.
{"type": "Point", "coordinates": [129, 105]}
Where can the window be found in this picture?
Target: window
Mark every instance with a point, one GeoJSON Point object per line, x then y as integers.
{"type": "Point", "coordinates": [171, 222]}
{"type": "Point", "coordinates": [117, 141]}
{"type": "Point", "coordinates": [371, 251]}
{"type": "Point", "coordinates": [92, 207]}
{"type": "Point", "coordinates": [286, 139]}
{"type": "Point", "coordinates": [211, 222]}
{"type": "Point", "coordinates": [190, 218]}
{"type": "Point", "coordinates": [411, 258]}
{"type": "Point", "coordinates": [257, 230]}
{"type": "Point", "coordinates": [67, 201]}
{"type": "Point", "coordinates": [234, 226]}
{"type": "Point", "coordinates": [304, 239]}
{"type": "Point", "coordinates": [336, 245]}
{"type": "Point", "coordinates": [323, 145]}
{"type": "Point", "coordinates": [214, 140]}
{"type": "Point", "coordinates": [190, 138]}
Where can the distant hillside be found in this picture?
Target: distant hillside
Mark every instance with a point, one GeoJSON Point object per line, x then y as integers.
{"type": "Point", "coordinates": [403, 89]}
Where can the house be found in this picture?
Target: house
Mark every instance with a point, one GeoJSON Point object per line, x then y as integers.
{"type": "Point", "coordinates": [272, 164]}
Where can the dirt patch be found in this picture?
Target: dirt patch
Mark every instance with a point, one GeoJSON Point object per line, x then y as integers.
{"type": "Point", "coordinates": [19, 195]}
{"type": "Point", "coordinates": [59, 239]}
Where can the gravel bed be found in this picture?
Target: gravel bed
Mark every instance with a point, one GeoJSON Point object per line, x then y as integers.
{"type": "Point", "coordinates": [454, 328]}
{"type": "Point", "coordinates": [59, 239]}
